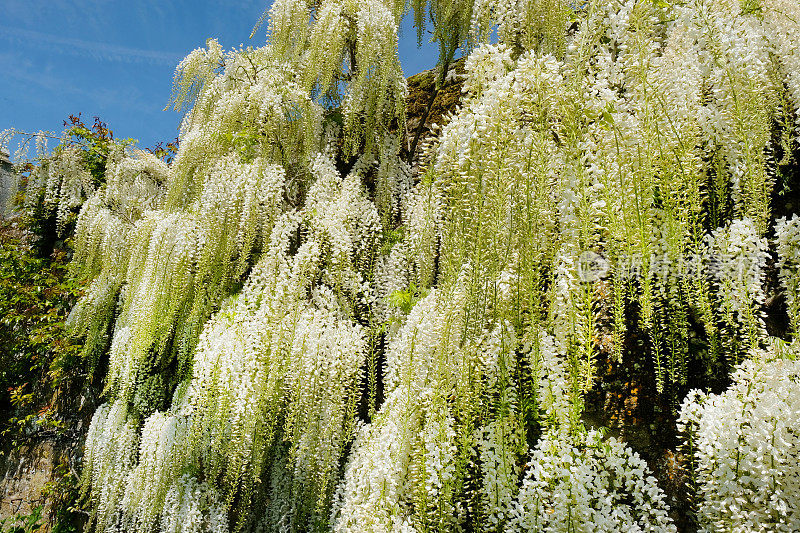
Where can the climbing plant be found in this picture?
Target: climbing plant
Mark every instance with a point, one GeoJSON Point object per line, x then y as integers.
{"type": "Point", "coordinates": [304, 332]}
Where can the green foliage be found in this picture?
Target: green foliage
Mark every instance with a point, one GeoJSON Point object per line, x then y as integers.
{"type": "Point", "coordinates": [37, 356]}
{"type": "Point", "coordinates": [96, 142]}
{"type": "Point", "coordinates": [54, 185]}
{"type": "Point", "coordinates": [26, 523]}
{"type": "Point", "coordinates": [165, 152]}
{"type": "Point", "coordinates": [42, 365]}
{"type": "Point", "coordinates": [62, 495]}
{"type": "Point", "coordinates": [405, 300]}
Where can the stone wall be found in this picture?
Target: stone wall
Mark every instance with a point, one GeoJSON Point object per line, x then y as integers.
{"type": "Point", "coordinates": [8, 184]}
{"type": "Point", "coordinates": [25, 474]}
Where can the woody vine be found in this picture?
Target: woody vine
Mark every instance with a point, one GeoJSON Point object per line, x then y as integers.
{"type": "Point", "coordinates": [304, 331]}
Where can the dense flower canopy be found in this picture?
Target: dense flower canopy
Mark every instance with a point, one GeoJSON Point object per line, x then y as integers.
{"type": "Point", "coordinates": [306, 333]}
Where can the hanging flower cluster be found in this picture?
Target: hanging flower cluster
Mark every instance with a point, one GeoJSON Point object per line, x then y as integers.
{"type": "Point", "coordinates": [300, 339]}
{"type": "Point", "coordinates": [338, 44]}
{"type": "Point", "coordinates": [402, 466]}
{"type": "Point", "coordinates": [192, 507]}
{"type": "Point", "coordinates": [781, 19]}
{"type": "Point", "coordinates": [788, 237]}
{"type": "Point", "coordinates": [109, 455]}
{"type": "Point", "coordinates": [61, 183]}
{"type": "Point", "coordinates": [274, 385]}
{"type": "Point", "coordinates": [526, 24]}
{"type": "Point", "coordinates": [737, 258]}
{"type": "Point", "coordinates": [744, 444]}
{"type": "Point", "coordinates": [135, 184]}
{"type": "Point", "coordinates": [587, 483]}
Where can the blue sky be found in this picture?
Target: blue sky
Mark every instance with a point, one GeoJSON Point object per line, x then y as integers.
{"type": "Point", "coordinates": [115, 59]}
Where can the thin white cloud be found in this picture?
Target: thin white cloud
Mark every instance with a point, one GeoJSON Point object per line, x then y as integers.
{"type": "Point", "coordinates": [71, 13]}
{"type": "Point", "coordinates": [20, 73]}
{"type": "Point", "coordinates": [92, 49]}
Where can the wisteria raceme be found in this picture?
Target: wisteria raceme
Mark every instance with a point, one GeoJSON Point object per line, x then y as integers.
{"type": "Point", "coordinates": [61, 183]}
{"type": "Point", "coordinates": [394, 180]}
{"type": "Point", "coordinates": [423, 216]}
{"type": "Point", "coordinates": [253, 107]}
{"type": "Point", "coordinates": [527, 24]}
{"type": "Point", "coordinates": [109, 456]}
{"type": "Point", "coordinates": [163, 249]}
{"type": "Point", "coordinates": [379, 89]}
{"type": "Point", "coordinates": [194, 71]}
{"type": "Point", "coordinates": [783, 34]}
{"type": "Point", "coordinates": [162, 458]}
{"type": "Point", "coordinates": [91, 316]}
{"type": "Point", "coordinates": [499, 444]}
{"type": "Point", "coordinates": [553, 396]}
{"type": "Point", "coordinates": [289, 25]}
{"type": "Point", "coordinates": [413, 260]}
{"type": "Point", "coordinates": [737, 258]}
{"type": "Point", "coordinates": [344, 221]}
{"type": "Point", "coordinates": [744, 444]}
{"type": "Point", "coordinates": [320, 415]}
{"type": "Point", "coordinates": [586, 483]}
{"type": "Point", "coordinates": [134, 184]}
{"type": "Point", "coordinates": [306, 332]}
{"type": "Point", "coordinates": [743, 99]}
{"type": "Point", "coordinates": [788, 236]}
{"type": "Point", "coordinates": [488, 206]}
{"type": "Point", "coordinates": [193, 507]}
{"type": "Point", "coordinates": [373, 495]}
{"type": "Point", "coordinates": [421, 474]}
{"type": "Point", "coordinates": [351, 42]}
{"type": "Point", "coordinates": [100, 238]}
